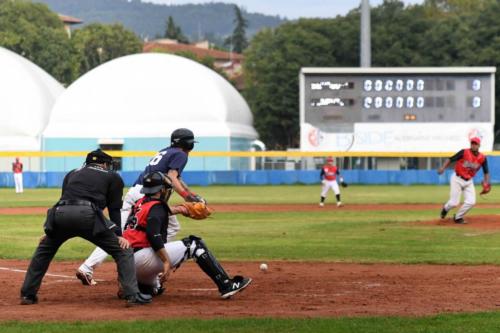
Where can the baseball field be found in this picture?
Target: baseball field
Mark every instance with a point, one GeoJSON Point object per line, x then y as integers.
{"type": "Point", "coordinates": [384, 262]}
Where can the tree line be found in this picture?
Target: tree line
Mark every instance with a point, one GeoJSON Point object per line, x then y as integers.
{"type": "Point", "coordinates": [435, 33]}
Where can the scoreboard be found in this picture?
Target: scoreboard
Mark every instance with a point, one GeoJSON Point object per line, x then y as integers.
{"type": "Point", "coordinates": [396, 109]}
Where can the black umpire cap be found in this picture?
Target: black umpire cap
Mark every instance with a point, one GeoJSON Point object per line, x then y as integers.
{"type": "Point", "coordinates": [98, 156]}
{"type": "Point", "coordinates": [153, 182]}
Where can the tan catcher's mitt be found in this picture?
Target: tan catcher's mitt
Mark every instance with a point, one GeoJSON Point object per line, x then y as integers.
{"type": "Point", "coordinates": [197, 210]}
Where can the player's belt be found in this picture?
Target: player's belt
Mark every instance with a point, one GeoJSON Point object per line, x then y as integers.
{"type": "Point", "coordinates": [75, 203]}
{"type": "Point", "coordinates": [136, 249]}
{"type": "Point", "coordinates": [462, 177]}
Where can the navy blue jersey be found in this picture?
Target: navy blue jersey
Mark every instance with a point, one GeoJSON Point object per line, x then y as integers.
{"type": "Point", "coordinates": [171, 158]}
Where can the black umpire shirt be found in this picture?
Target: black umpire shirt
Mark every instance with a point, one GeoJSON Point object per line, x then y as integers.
{"type": "Point", "coordinates": [93, 183]}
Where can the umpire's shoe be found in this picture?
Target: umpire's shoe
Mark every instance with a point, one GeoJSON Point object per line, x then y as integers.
{"type": "Point", "coordinates": [28, 300]}
{"type": "Point", "coordinates": [138, 299]}
{"type": "Point", "coordinates": [443, 213]}
{"type": "Point", "coordinates": [235, 285]}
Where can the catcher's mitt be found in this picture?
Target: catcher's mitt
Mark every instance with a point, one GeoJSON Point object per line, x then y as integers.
{"type": "Point", "coordinates": [197, 210]}
{"type": "Point", "coordinates": [486, 188]}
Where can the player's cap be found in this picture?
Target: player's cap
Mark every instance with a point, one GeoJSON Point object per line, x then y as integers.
{"type": "Point", "coordinates": [329, 159]}
{"type": "Point", "coordinates": [153, 182]}
{"type": "Point", "coordinates": [98, 156]}
{"type": "Point", "coordinates": [475, 140]}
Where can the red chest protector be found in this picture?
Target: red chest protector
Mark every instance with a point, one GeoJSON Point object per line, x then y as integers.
{"type": "Point", "coordinates": [330, 172]}
{"type": "Point", "coordinates": [135, 230]}
{"type": "Point", "coordinates": [469, 164]}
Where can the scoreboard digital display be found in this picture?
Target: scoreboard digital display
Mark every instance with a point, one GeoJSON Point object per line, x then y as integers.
{"type": "Point", "coordinates": [335, 100]}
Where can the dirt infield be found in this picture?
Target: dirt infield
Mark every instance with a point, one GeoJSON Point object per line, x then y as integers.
{"type": "Point", "coordinates": [288, 289]}
{"type": "Point", "coordinates": [474, 222]}
{"type": "Point", "coordinates": [224, 208]}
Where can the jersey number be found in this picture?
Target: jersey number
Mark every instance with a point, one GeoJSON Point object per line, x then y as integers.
{"type": "Point", "coordinates": [155, 160]}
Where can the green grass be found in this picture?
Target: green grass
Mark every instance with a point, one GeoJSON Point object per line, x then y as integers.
{"type": "Point", "coordinates": [459, 323]}
{"type": "Point", "coordinates": [358, 194]}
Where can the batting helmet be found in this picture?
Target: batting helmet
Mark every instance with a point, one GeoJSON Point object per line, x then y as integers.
{"type": "Point", "coordinates": [154, 182]}
{"type": "Point", "coordinates": [182, 138]}
{"type": "Point", "coordinates": [98, 156]}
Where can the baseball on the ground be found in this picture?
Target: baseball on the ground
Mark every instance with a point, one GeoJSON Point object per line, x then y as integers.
{"type": "Point", "coordinates": [263, 267]}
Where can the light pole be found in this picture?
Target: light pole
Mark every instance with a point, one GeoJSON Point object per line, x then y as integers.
{"type": "Point", "coordinates": [365, 38]}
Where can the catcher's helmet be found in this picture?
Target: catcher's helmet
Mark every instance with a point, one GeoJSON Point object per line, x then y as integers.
{"type": "Point", "coordinates": [98, 156]}
{"type": "Point", "coordinates": [182, 138]}
{"type": "Point", "coordinates": [154, 182]}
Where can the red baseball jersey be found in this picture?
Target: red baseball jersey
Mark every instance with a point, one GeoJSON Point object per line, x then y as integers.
{"type": "Point", "coordinates": [17, 167]}
{"type": "Point", "coordinates": [469, 164]}
{"type": "Point", "coordinates": [329, 172]}
{"type": "Point", "coordinates": [136, 232]}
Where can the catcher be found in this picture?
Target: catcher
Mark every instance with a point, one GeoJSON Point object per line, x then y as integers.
{"type": "Point", "coordinates": [468, 163]}
{"type": "Point", "coordinates": [170, 161]}
{"type": "Point", "coordinates": [155, 257]}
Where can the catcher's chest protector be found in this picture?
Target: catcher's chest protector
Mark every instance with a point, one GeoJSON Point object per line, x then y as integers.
{"type": "Point", "coordinates": [135, 230]}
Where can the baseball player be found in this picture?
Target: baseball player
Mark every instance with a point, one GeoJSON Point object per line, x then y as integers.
{"type": "Point", "coordinates": [154, 256]}
{"type": "Point", "coordinates": [328, 176]}
{"type": "Point", "coordinates": [170, 161]}
{"type": "Point", "coordinates": [17, 170]}
{"type": "Point", "coordinates": [85, 193]}
{"type": "Point", "coordinates": [468, 163]}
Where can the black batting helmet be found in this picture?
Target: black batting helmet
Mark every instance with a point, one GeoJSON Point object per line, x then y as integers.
{"type": "Point", "coordinates": [98, 156]}
{"type": "Point", "coordinates": [182, 138]}
{"type": "Point", "coordinates": [154, 182]}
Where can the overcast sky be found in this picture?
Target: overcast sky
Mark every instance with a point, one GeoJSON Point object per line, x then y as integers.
{"type": "Point", "coordinates": [290, 8]}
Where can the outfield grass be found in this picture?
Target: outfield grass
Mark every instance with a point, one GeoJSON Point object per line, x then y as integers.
{"type": "Point", "coordinates": [358, 194]}
{"type": "Point", "coordinates": [459, 323]}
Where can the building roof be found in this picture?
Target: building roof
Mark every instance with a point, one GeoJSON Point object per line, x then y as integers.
{"type": "Point", "coordinates": [69, 19]}
{"type": "Point", "coordinates": [198, 51]}
{"type": "Point", "coordinates": [28, 95]}
{"type": "Point", "coordinates": [149, 95]}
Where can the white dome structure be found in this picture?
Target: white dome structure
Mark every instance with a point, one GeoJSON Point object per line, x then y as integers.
{"type": "Point", "coordinates": [135, 102]}
{"type": "Point", "coordinates": [28, 95]}
{"type": "Point", "coordinates": [150, 95]}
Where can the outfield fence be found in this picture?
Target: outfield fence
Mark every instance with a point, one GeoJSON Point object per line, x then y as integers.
{"type": "Point", "coordinates": [47, 169]}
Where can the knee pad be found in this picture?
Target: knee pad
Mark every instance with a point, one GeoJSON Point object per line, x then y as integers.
{"type": "Point", "coordinates": [195, 246]}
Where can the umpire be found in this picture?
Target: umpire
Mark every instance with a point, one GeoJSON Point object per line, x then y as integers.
{"type": "Point", "coordinates": [85, 193]}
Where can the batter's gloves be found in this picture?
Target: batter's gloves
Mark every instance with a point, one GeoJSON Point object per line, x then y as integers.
{"type": "Point", "coordinates": [486, 188]}
{"type": "Point", "coordinates": [196, 210]}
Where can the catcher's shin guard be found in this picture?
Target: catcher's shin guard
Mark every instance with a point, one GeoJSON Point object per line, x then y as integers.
{"type": "Point", "coordinates": [206, 260]}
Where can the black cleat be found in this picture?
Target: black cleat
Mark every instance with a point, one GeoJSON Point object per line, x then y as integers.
{"type": "Point", "coordinates": [443, 213]}
{"type": "Point", "coordinates": [29, 300]}
{"type": "Point", "coordinates": [235, 285]}
{"type": "Point", "coordinates": [459, 220]}
{"type": "Point", "coordinates": [138, 299]}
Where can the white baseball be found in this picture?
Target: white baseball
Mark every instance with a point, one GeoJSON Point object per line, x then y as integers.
{"type": "Point", "coordinates": [263, 267]}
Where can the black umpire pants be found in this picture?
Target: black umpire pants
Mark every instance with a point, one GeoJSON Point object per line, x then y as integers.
{"type": "Point", "coordinates": [78, 221]}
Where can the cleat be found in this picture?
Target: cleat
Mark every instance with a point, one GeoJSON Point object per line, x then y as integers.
{"type": "Point", "coordinates": [443, 213]}
{"type": "Point", "coordinates": [138, 299]}
{"type": "Point", "coordinates": [460, 220]}
{"type": "Point", "coordinates": [29, 300]}
{"type": "Point", "coordinates": [321, 204]}
{"type": "Point", "coordinates": [340, 204]}
{"type": "Point", "coordinates": [85, 278]}
{"type": "Point", "coordinates": [236, 284]}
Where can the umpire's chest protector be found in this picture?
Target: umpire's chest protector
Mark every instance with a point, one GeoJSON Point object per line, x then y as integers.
{"type": "Point", "coordinates": [135, 231]}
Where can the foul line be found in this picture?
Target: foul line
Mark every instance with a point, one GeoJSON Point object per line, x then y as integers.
{"type": "Point", "coordinates": [47, 274]}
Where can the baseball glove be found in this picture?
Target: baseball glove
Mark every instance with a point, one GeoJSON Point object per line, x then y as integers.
{"type": "Point", "coordinates": [486, 188]}
{"type": "Point", "coordinates": [197, 210]}
{"type": "Point", "coordinates": [344, 184]}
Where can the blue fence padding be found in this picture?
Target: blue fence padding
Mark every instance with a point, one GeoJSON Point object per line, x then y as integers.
{"type": "Point", "coordinates": [266, 177]}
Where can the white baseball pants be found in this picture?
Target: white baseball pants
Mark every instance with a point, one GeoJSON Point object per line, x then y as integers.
{"type": "Point", "coordinates": [329, 184]}
{"type": "Point", "coordinates": [457, 187]}
{"type": "Point", "coordinates": [98, 256]}
{"type": "Point", "coordinates": [18, 181]}
{"type": "Point", "coordinates": [148, 265]}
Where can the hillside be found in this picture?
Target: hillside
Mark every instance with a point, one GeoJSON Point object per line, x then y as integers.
{"type": "Point", "coordinates": [214, 20]}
